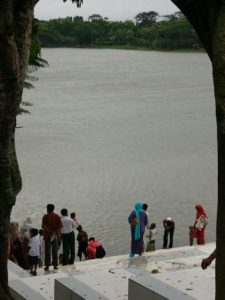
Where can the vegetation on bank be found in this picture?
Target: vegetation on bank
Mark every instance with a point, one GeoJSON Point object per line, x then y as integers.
{"type": "Point", "coordinates": [149, 31]}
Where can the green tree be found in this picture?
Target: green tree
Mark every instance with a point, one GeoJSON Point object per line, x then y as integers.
{"type": "Point", "coordinates": [146, 18]}
{"type": "Point", "coordinates": [122, 33]}
{"type": "Point", "coordinates": [98, 27]}
{"type": "Point", "coordinates": [173, 32]}
{"type": "Point", "coordinates": [95, 17]}
{"type": "Point", "coordinates": [208, 19]}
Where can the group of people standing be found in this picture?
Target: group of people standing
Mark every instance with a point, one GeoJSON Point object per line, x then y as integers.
{"type": "Point", "coordinates": [53, 243]}
{"type": "Point", "coordinates": [143, 234]}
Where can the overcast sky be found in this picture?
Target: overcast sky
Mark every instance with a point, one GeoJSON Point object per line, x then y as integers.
{"type": "Point", "coordinates": [113, 9]}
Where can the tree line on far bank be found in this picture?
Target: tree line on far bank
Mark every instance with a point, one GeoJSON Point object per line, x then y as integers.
{"type": "Point", "coordinates": [149, 30]}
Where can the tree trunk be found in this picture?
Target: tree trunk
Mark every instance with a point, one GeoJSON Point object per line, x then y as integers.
{"type": "Point", "coordinates": [208, 19]}
{"type": "Point", "coordinates": [15, 38]}
{"type": "Point", "coordinates": [7, 198]}
{"type": "Point", "coordinates": [218, 63]}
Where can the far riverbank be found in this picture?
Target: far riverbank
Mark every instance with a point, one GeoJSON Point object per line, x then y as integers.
{"type": "Point", "coordinates": [127, 47]}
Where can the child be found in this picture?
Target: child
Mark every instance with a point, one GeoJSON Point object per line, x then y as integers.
{"type": "Point", "coordinates": [82, 239]}
{"type": "Point", "coordinates": [151, 237]}
{"type": "Point", "coordinates": [34, 252]}
{"type": "Point", "coordinates": [73, 217]}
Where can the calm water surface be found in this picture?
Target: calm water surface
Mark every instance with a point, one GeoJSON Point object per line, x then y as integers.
{"type": "Point", "coordinates": [108, 127]}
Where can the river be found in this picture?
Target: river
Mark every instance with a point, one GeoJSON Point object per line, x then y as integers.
{"type": "Point", "coordinates": [108, 127]}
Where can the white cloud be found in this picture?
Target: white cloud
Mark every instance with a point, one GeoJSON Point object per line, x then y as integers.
{"type": "Point", "coordinates": [113, 9]}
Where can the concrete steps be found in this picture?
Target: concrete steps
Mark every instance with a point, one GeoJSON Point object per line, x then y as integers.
{"type": "Point", "coordinates": [177, 270]}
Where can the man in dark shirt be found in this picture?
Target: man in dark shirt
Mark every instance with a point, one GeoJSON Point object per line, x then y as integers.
{"type": "Point", "coordinates": [51, 224]}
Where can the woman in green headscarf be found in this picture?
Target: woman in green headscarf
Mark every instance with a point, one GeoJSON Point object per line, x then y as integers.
{"type": "Point", "coordinates": [138, 221]}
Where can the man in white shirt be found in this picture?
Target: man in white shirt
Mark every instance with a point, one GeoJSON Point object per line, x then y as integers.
{"type": "Point", "coordinates": [68, 238]}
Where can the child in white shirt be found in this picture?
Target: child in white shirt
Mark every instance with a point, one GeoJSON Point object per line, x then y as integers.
{"type": "Point", "coordinates": [151, 237]}
{"type": "Point", "coordinates": [34, 252]}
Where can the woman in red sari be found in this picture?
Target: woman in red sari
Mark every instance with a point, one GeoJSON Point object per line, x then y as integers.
{"type": "Point", "coordinates": [201, 221]}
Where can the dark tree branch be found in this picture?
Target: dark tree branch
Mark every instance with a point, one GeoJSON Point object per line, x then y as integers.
{"type": "Point", "coordinates": [202, 15]}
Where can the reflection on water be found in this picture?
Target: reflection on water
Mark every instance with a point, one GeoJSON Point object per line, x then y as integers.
{"type": "Point", "coordinates": [138, 262]}
{"type": "Point", "coordinates": [109, 127]}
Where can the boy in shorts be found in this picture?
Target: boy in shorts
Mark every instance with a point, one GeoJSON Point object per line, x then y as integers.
{"type": "Point", "coordinates": [34, 251]}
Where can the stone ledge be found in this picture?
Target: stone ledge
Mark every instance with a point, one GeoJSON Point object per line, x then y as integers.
{"type": "Point", "coordinates": [150, 288]}
{"type": "Point", "coordinates": [73, 289]}
{"type": "Point", "coordinates": [21, 291]}
{"type": "Point", "coordinates": [178, 268]}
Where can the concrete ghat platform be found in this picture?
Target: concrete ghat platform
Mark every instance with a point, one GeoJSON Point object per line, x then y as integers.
{"type": "Point", "coordinates": [178, 268]}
